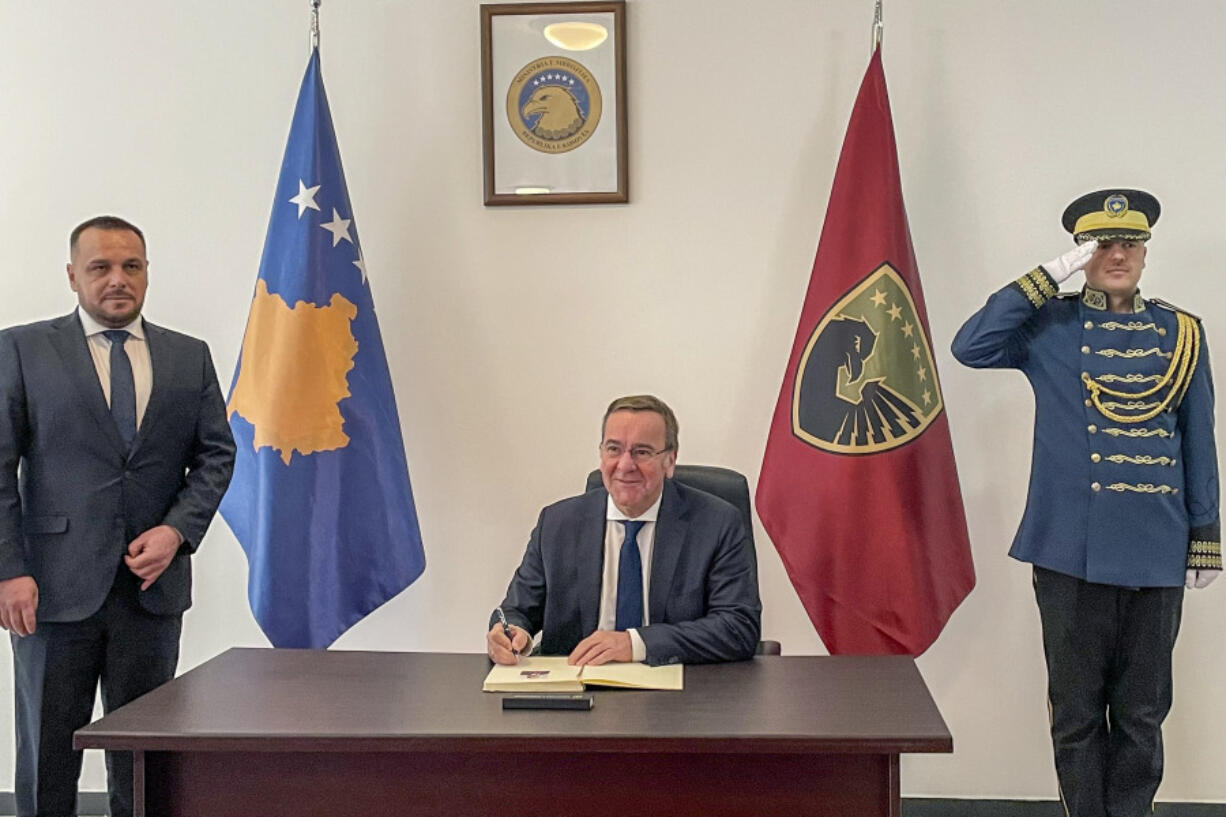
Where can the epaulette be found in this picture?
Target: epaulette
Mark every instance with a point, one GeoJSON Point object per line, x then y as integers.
{"type": "Point", "coordinates": [1173, 308]}
{"type": "Point", "coordinates": [1067, 295]}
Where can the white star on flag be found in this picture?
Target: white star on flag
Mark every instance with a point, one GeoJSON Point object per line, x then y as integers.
{"type": "Point", "coordinates": [339, 227]}
{"type": "Point", "coordinates": [360, 263]}
{"type": "Point", "coordinates": [305, 198]}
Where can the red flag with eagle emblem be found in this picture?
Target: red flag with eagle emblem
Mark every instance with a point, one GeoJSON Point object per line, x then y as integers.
{"type": "Point", "coordinates": [858, 489]}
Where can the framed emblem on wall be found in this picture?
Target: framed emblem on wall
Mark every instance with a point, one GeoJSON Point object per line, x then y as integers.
{"type": "Point", "coordinates": [553, 81]}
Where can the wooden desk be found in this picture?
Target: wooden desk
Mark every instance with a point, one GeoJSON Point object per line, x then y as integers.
{"type": "Point", "coordinates": [298, 733]}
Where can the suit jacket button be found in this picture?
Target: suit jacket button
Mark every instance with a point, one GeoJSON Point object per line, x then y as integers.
{"type": "Point", "coordinates": [1095, 487]}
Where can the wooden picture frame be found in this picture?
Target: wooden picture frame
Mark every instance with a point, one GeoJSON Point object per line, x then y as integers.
{"type": "Point", "coordinates": [553, 83]}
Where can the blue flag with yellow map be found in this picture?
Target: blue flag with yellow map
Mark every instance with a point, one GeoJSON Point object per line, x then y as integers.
{"type": "Point", "coordinates": [320, 498]}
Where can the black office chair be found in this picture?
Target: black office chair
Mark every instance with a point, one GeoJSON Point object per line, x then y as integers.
{"type": "Point", "coordinates": [728, 485]}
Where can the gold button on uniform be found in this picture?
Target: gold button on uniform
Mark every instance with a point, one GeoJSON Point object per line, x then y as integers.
{"type": "Point", "coordinates": [1089, 324]}
{"type": "Point", "coordinates": [1095, 457]}
{"type": "Point", "coordinates": [1162, 331]}
{"type": "Point", "coordinates": [1089, 403]}
{"type": "Point", "coordinates": [1085, 350]}
{"type": "Point", "coordinates": [1095, 487]}
{"type": "Point", "coordinates": [1093, 429]}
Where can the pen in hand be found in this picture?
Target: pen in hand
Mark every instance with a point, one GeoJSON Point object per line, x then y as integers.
{"type": "Point", "coordinates": [506, 630]}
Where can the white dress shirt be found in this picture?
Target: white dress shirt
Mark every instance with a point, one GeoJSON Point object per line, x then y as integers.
{"type": "Point", "coordinates": [614, 535]}
{"type": "Point", "coordinates": [138, 354]}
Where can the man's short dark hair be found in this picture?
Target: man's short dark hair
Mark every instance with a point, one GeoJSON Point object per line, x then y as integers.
{"type": "Point", "coordinates": [646, 402]}
{"type": "Point", "coordinates": [103, 223]}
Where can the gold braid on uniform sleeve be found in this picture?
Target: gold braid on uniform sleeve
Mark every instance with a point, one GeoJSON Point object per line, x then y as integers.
{"type": "Point", "coordinates": [1204, 555]}
{"type": "Point", "coordinates": [1172, 385]}
{"type": "Point", "coordinates": [1038, 286]}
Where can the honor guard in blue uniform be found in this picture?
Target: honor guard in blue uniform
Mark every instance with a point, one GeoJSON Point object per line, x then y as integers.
{"type": "Point", "coordinates": [1122, 512]}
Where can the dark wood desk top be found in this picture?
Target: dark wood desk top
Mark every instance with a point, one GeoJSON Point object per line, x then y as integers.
{"type": "Point", "coordinates": [303, 700]}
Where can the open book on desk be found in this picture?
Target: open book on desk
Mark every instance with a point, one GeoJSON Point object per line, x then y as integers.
{"type": "Point", "coordinates": [553, 674]}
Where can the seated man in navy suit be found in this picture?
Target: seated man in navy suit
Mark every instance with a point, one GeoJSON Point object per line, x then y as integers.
{"type": "Point", "coordinates": [643, 569]}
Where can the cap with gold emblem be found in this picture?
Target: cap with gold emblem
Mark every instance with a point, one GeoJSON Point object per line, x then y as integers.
{"type": "Point", "coordinates": [1115, 214]}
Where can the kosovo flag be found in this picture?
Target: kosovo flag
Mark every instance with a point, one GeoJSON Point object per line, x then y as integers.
{"type": "Point", "coordinates": [320, 498]}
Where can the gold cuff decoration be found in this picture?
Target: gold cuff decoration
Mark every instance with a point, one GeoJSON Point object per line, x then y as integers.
{"type": "Point", "coordinates": [1204, 555]}
{"type": "Point", "coordinates": [1037, 286]}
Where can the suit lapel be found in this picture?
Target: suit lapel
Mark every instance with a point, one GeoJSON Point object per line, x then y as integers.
{"type": "Point", "coordinates": [69, 341]}
{"type": "Point", "coordinates": [590, 564]}
{"type": "Point", "coordinates": [159, 364]}
{"type": "Point", "coordinates": [671, 527]}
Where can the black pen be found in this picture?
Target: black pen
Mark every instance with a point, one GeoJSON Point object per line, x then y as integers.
{"type": "Point", "coordinates": [506, 630]}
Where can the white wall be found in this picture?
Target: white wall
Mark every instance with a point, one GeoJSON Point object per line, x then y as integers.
{"type": "Point", "coordinates": [175, 115]}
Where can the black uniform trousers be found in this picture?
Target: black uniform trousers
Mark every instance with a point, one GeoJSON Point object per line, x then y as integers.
{"type": "Point", "coordinates": [56, 673]}
{"type": "Point", "coordinates": [1108, 653]}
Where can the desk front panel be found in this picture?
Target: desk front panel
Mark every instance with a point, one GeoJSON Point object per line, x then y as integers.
{"type": "Point", "coordinates": [481, 784]}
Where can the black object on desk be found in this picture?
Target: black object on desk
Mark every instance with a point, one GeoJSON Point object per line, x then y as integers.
{"type": "Point", "coordinates": [579, 700]}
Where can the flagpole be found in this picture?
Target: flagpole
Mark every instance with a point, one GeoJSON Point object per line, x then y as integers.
{"type": "Point", "coordinates": [878, 28]}
{"type": "Point", "coordinates": [315, 22]}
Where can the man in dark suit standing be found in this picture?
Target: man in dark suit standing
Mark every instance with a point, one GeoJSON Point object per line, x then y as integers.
{"type": "Point", "coordinates": [114, 454]}
{"type": "Point", "coordinates": [645, 569]}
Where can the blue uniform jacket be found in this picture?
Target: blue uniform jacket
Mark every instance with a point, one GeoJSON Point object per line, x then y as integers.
{"type": "Point", "coordinates": [1116, 496]}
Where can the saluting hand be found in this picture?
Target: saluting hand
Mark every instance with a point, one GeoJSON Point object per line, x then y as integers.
{"type": "Point", "coordinates": [18, 604]}
{"type": "Point", "coordinates": [1062, 268]}
{"type": "Point", "coordinates": [150, 553]}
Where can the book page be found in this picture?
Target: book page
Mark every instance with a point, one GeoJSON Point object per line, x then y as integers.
{"type": "Point", "coordinates": [635, 676]}
{"type": "Point", "coordinates": [534, 674]}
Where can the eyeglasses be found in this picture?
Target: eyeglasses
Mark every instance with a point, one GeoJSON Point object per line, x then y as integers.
{"type": "Point", "coordinates": [638, 453]}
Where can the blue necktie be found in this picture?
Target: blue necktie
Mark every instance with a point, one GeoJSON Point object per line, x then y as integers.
{"type": "Point", "coordinates": [630, 580]}
{"type": "Point", "coordinates": [123, 387]}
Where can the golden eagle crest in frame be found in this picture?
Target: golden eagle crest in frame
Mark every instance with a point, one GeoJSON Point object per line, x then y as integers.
{"type": "Point", "coordinates": [865, 382]}
{"type": "Point", "coordinates": [554, 104]}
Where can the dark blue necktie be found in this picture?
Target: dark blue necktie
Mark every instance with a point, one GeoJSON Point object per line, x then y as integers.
{"type": "Point", "coordinates": [123, 387]}
{"type": "Point", "coordinates": [630, 580]}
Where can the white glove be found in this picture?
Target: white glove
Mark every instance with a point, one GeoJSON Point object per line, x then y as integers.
{"type": "Point", "coordinates": [1062, 268]}
{"type": "Point", "coordinates": [1198, 579]}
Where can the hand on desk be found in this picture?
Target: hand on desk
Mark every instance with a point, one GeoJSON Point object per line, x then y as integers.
{"type": "Point", "coordinates": [601, 647]}
{"type": "Point", "coordinates": [499, 647]}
